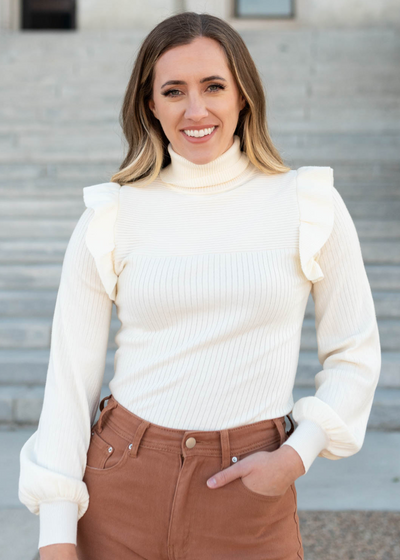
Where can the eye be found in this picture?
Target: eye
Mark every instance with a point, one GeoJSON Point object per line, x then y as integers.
{"type": "Point", "coordinates": [219, 86]}
{"type": "Point", "coordinates": [168, 93]}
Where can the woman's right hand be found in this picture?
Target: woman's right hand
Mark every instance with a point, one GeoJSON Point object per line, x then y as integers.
{"type": "Point", "coordinates": [62, 551]}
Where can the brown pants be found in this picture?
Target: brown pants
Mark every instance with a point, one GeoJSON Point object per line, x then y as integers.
{"type": "Point", "coordinates": [149, 499]}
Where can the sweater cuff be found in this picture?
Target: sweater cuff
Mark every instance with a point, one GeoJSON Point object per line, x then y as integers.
{"type": "Point", "coordinates": [58, 522]}
{"type": "Point", "coordinates": [308, 439]}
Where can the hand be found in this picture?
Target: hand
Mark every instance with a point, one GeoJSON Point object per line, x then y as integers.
{"type": "Point", "coordinates": [62, 551]}
{"type": "Point", "coordinates": [266, 472]}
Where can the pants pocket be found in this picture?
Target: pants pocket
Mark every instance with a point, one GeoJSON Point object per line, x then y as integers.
{"type": "Point", "coordinates": [258, 495]}
{"type": "Point", "coordinates": [107, 451]}
{"type": "Point", "coordinates": [269, 446]}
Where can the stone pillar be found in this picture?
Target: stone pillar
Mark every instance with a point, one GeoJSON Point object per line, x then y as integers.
{"type": "Point", "coordinates": [10, 13]}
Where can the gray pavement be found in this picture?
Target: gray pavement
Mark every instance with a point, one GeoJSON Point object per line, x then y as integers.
{"type": "Point", "coordinates": [369, 480]}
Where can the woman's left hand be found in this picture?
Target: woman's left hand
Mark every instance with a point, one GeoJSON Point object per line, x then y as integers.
{"type": "Point", "coordinates": [266, 472]}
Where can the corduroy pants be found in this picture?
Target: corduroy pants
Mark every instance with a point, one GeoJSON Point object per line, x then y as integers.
{"type": "Point", "coordinates": [148, 497]}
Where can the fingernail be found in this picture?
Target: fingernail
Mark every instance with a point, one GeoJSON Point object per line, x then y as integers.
{"type": "Point", "coordinates": [211, 482]}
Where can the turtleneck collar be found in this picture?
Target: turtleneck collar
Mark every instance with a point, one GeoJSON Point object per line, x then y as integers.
{"type": "Point", "coordinates": [218, 175]}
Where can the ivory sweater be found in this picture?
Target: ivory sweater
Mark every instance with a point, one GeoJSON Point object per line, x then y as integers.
{"type": "Point", "coordinates": [210, 268]}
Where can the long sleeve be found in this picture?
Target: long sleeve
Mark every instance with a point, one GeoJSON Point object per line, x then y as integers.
{"type": "Point", "coordinates": [332, 424]}
{"type": "Point", "coordinates": [53, 459]}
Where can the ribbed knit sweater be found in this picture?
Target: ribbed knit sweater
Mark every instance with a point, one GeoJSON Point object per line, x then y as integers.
{"type": "Point", "coordinates": [210, 268]}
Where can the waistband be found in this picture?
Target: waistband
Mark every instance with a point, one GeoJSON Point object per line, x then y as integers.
{"type": "Point", "coordinates": [218, 443]}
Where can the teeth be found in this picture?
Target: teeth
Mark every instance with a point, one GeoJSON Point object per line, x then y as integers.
{"type": "Point", "coordinates": [199, 133]}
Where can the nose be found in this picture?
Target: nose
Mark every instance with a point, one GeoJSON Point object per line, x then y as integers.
{"type": "Point", "coordinates": [196, 109]}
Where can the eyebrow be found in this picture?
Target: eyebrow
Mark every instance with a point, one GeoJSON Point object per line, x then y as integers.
{"type": "Point", "coordinates": [182, 83]}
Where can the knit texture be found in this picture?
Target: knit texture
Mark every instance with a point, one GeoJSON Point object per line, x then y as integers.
{"type": "Point", "coordinates": [210, 268]}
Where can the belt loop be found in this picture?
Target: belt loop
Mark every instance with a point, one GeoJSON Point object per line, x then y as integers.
{"type": "Point", "coordinates": [225, 446]}
{"type": "Point", "coordinates": [280, 426]}
{"type": "Point", "coordinates": [104, 410]}
{"type": "Point", "coordinates": [102, 402]}
{"type": "Point", "coordinates": [137, 438]}
{"type": "Point", "coordinates": [290, 432]}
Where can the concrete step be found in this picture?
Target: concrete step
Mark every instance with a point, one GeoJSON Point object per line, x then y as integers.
{"type": "Point", "coordinates": [39, 209]}
{"type": "Point", "coordinates": [370, 179]}
{"type": "Point", "coordinates": [385, 409]}
{"type": "Point", "coordinates": [309, 366]}
{"type": "Point", "coordinates": [47, 275]}
{"type": "Point", "coordinates": [78, 146]}
{"type": "Point", "coordinates": [389, 331]}
{"type": "Point", "coordinates": [66, 99]}
{"type": "Point", "coordinates": [62, 228]}
{"type": "Point", "coordinates": [383, 277]}
{"type": "Point", "coordinates": [21, 405]}
{"type": "Point", "coordinates": [58, 145]}
{"type": "Point", "coordinates": [54, 185]}
{"type": "Point", "coordinates": [54, 176]}
{"type": "Point", "coordinates": [387, 305]}
{"type": "Point", "coordinates": [37, 229]}
{"type": "Point", "coordinates": [29, 367]}
{"type": "Point", "coordinates": [351, 147]}
{"type": "Point", "coordinates": [377, 229]}
{"type": "Point", "coordinates": [27, 332]}
{"type": "Point", "coordinates": [296, 110]}
{"type": "Point", "coordinates": [71, 207]}
{"type": "Point", "coordinates": [38, 112]}
{"type": "Point", "coordinates": [35, 303]}
{"type": "Point", "coordinates": [51, 250]}
{"type": "Point", "coordinates": [323, 76]}
{"type": "Point", "coordinates": [322, 117]}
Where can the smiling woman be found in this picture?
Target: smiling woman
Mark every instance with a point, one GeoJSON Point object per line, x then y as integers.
{"type": "Point", "coordinates": [210, 247]}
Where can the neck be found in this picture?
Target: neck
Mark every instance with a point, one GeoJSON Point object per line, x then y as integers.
{"type": "Point", "coordinates": [218, 175]}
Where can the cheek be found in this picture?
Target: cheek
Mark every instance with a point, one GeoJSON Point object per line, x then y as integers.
{"type": "Point", "coordinates": [173, 118]}
{"type": "Point", "coordinates": [229, 116]}
{"type": "Point", "coordinates": [228, 109]}
{"type": "Point", "coordinates": [167, 113]}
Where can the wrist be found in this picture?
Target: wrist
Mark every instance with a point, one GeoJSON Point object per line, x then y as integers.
{"type": "Point", "coordinates": [290, 463]}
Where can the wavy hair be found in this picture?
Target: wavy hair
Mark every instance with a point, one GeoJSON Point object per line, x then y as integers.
{"type": "Point", "coordinates": [147, 143]}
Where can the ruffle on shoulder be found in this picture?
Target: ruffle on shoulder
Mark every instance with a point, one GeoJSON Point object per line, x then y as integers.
{"type": "Point", "coordinates": [314, 191]}
{"type": "Point", "coordinates": [104, 200]}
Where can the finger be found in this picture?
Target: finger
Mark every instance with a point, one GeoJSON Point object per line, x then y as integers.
{"type": "Point", "coordinates": [223, 477]}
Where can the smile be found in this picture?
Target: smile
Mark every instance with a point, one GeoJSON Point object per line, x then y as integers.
{"type": "Point", "coordinates": [199, 133]}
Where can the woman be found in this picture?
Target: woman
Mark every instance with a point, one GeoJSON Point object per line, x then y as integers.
{"type": "Point", "coordinates": [209, 246]}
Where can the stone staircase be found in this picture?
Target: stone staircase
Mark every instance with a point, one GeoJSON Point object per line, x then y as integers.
{"type": "Point", "coordinates": [333, 99]}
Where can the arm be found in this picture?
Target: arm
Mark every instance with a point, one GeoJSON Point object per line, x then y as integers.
{"type": "Point", "coordinates": [53, 460]}
{"type": "Point", "coordinates": [333, 423]}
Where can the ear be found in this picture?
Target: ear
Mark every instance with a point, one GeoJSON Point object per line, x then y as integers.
{"type": "Point", "coordinates": [152, 107]}
{"type": "Point", "coordinates": [242, 103]}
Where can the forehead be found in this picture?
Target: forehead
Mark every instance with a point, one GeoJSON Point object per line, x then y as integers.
{"type": "Point", "coordinates": [202, 57]}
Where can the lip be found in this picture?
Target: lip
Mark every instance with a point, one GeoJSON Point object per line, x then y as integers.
{"type": "Point", "coordinates": [194, 140]}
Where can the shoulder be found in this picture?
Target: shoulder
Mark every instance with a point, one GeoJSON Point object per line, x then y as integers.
{"type": "Point", "coordinates": [103, 199]}
{"type": "Point", "coordinates": [315, 196]}
{"type": "Point", "coordinates": [96, 196]}
{"type": "Point", "coordinates": [315, 183]}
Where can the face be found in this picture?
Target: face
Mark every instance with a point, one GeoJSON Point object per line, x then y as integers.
{"type": "Point", "coordinates": [185, 98]}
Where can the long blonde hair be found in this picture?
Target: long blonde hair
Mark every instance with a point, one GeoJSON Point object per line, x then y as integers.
{"type": "Point", "coordinates": [147, 152]}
